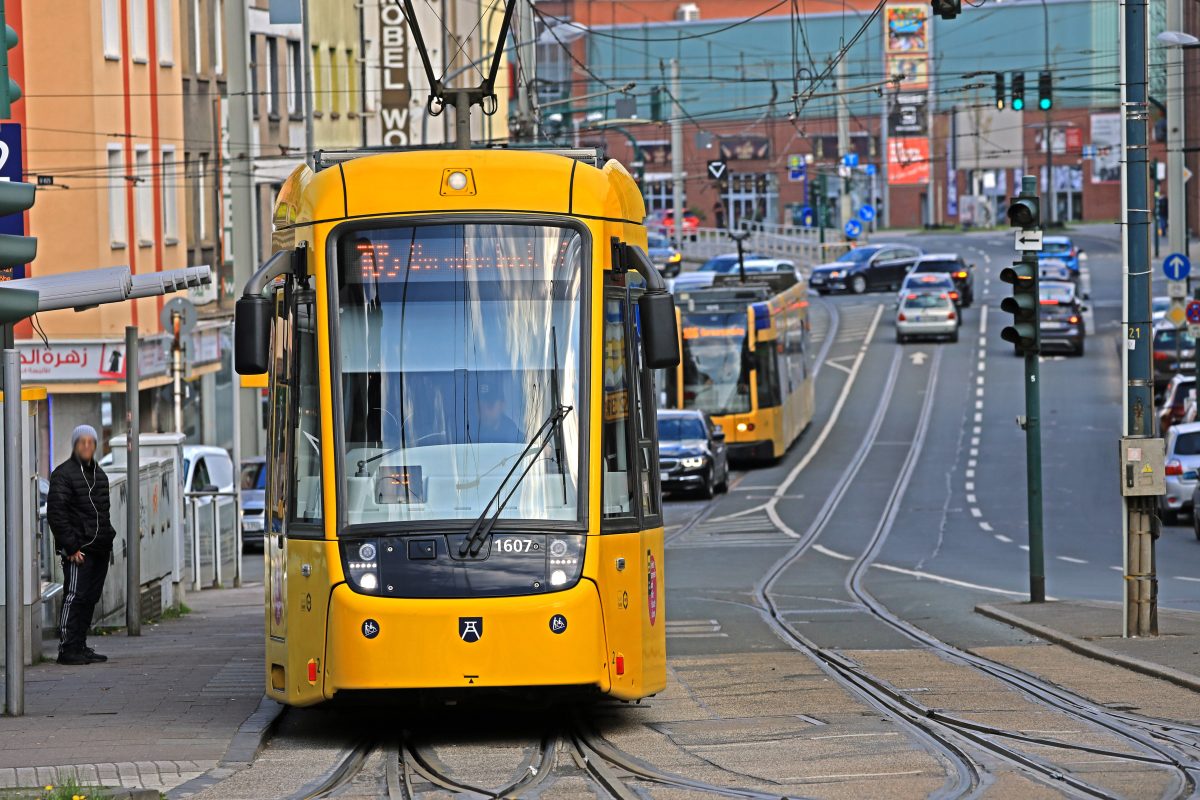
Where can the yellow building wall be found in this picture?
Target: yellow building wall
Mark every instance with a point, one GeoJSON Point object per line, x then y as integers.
{"type": "Point", "coordinates": [335, 38]}
{"type": "Point", "coordinates": [75, 108]}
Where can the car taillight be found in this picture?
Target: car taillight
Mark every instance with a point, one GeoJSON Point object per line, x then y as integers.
{"type": "Point", "coordinates": [901, 318]}
{"type": "Point", "coordinates": [1174, 467]}
{"type": "Point", "coordinates": [954, 295]}
{"type": "Point", "coordinates": [1074, 320]}
{"type": "Point", "coordinates": [1161, 356]}
{"type": "Point", "coordinates": [952, 316]}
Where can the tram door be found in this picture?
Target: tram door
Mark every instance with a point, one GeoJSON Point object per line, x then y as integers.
{"type": "Point", "coordinates": [278, 461]}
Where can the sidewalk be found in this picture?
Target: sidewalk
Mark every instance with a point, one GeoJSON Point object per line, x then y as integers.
{"type": "Point", "coordinates": [166, 708]}
{"type": "Point", "coordinates": [1093, 629]}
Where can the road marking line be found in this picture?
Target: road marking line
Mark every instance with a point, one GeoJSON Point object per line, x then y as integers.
{"type": "Point", "coordinates": [977, 429]}
{"type": "Point", "coordinates": [1118, 569]}
{"type": "Point", "coordinates": [972, 499]}
{"type": "Point", "coordinates": [1070, 560]}
{"type": "Point", "coordinates": [974, 451]}
{"type": "Point", "coordinates": [970, 487]}
{"type": "Point", "coordinates": [985, 526]}
{"type": "Point", "coordinates": [840, 775]}
{"type": "Point", "coordinates": [970, 473]}
{"type": "Point", "coordinates": [1186, 578]}
{"type": "Point", "coordinates": [978, 416]}
{"type": "Point", "coordinates": [1024, 547]}
{"type": "Point", "coordinates": [836, 365]}
{"type": "Point", "coordinates": [979, 380]}
{"type": "Point", "coordinates": [982, 344]}
{"type": "Point", "coordinates": [1001, 537]}
{"type": "Point", "coordinates": [914, 573]}
{"type": "Point", "coordinates": [983, 312]}
{"type": "Point", "coordinates": [979, 403]}
{"type": "Point", "coordinates": [981, 365]}
{"type": "Point", "coordinates": [975, 441]}
{"type": "Point", "coordinates": [976, 513]}
{"type": "Point", "coordinates": [979, 392]}
{"type": "Point", "coordinates": [825, 551]}
{"type": "Point", "coordinates": [853, 735]}
{"type": "Point", "coordinates": [836, 412]}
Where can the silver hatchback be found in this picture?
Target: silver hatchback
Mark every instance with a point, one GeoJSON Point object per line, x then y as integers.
{"type": "Point", "coordinates": [1183, 461]}
{"type": "Point", "coordinates": [926, 314]}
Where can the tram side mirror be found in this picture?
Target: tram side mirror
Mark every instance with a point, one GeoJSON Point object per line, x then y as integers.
{"type": "Point", "coordinates": [252, 335]}
{"type": "Point", "coordinates": [660, 336]}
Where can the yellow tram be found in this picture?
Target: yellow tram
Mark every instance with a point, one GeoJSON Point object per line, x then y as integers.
{"type": "Point", "coordinates": [745, 361]}
{"type": "Point", "coordinates": [462, 455]}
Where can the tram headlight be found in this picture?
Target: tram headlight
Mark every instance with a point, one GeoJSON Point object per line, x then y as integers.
{"type": "Point", "coordinates": [362, 566]}
{"type": "Point", "coordinates": [564, 560]}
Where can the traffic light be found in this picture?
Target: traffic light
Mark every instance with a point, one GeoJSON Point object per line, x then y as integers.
{"type": "Point", "coordinates": [656, 104]}
{"type": "Point", "coordinates": [10, 92]}
{"type": "Point", "coordinates": [947, 9]}
{"type": "Point", "coordinates": [1024, 331]}
{"type": "Point", "coordinates": [16, 305]}
{"type": "Point", "coordinates": [1018, 91]}
{"type": "Point", "coordinates": [999, 91]}
{"type": "Point", "coordinates": [1045, 91]}
{"type": "Point", "coordinates": [16, 198]}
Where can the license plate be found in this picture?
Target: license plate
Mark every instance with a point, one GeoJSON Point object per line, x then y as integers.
{"type": "Point", "coordinates": [1187, 365]}
{"type": "Point", "coordinates": [1053, 326]}
{"type": "Point", "coordinates": [818, 279]}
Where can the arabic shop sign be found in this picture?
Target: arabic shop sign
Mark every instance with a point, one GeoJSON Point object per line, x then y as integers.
{"type": "Point", "coordinates": [90, 361]}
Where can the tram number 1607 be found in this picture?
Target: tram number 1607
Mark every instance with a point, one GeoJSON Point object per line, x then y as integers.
{"type": "Point", "coordinates": [512, 544]}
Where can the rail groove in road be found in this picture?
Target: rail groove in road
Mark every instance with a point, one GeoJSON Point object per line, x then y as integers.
{"type": "Point", "coordinates": [947, 732]}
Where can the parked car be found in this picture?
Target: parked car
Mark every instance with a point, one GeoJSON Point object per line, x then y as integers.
{"type": "Point", "coordinates": [952, 264]}
{"type": "Point", "coordinates": [927, 315]}
{"type": "Point", "coordinates": [1062, 250]}
{"type": "Point", "coordinates": [1174, 402]}
{"type": "Point", "coordinates": [1061, 318]}
{"type": "Point", "coordinates": [1174, 352]}
{"type": "Point", "coordinates": [871, 267]}
{"type": "Point", "coordinates": [1159, 307]}
{"type": "Point", "coordinates": [254, 491]}
{"type": "Point", "coordinates": [1183, 459]}
{"type": "Point", "coordinates": [701, 280]}
{"type": "Point", "coordinates": [663, 254]}
{"type": "Point", "coordinates": [691, 452]}
{"type": "Point", "coordinates": [931, 282]}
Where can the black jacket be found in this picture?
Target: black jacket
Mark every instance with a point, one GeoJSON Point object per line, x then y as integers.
{"type": "Point", "coordinates": [77, 508]}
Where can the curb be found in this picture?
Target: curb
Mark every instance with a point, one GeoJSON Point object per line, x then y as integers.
{"type": "Point", "coordinates": [1086, 648]}
{"type": "Point", "coordinates": [246, 743]}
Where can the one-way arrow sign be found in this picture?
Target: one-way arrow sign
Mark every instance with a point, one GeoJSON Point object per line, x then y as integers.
{"type": "Point", "coordinates": [1028, 240]}
{"type": "Point", "coordinates": [716, 170]}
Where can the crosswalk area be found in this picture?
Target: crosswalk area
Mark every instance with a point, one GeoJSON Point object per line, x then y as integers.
{"type": "Point", "coordinates": [750, 530]}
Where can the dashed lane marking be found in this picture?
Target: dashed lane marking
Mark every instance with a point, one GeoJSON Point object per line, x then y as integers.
{"type": "Point", "coordinates": [985, 526]}
{"type": "Point", "coordinates": [1003, 538]}
{"type": "Point", "coordinates": [1071, 560]}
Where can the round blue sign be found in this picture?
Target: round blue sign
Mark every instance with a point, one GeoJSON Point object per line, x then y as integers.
{"type": "Point", "coordinates": [807, 217]}
{"type": "Point", "coordinates": [1176, 266]}
{"type": "Point", "coordinates": [866, 213]}
{"type": "Point", "coordinates": [853, 229]}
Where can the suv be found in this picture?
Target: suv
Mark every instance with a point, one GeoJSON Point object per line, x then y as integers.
{"type": "Point", "coordinates": [871, 267]}
{"type": "Point", "coordinates": [1174, 402]}
{"type": "Point", "coordinates": [952, 263]}
{"type": "Point", "coordinates": [691, 452]}
{"type": "Point", "coordinates": [1174, 352]}
{"type": "Point", "coordinates": [1183, 459]}
{"type": "Point", "coordinates": [1061, 317]}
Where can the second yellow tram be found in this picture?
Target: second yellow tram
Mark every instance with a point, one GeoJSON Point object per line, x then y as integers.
{"type": "Point", "coordinates": [744, 360]}
{"type": "Point", "coordinates": [462, 457]}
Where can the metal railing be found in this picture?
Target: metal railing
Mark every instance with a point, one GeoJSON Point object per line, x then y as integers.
{"type": "Point", "coordinates": [198, 536]}
{"type": "Point", "coordinates": [802, 245]}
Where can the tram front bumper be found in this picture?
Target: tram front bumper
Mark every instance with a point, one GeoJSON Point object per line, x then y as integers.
{"type": "Point", "coordinates": [554, 639]}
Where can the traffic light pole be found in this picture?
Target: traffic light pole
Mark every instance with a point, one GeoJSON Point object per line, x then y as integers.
{"type": "Point", "coordinates": [1141, 583]}
{"type": "Point", "coordinates": [14, 503]}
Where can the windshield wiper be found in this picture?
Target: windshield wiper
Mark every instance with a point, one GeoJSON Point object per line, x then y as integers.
{"type": "Point", "coordinates": [483, 524]}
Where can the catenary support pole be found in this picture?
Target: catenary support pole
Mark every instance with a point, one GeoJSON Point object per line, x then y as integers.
{"type": "Point", "coordinates": [1176, 122]}
{"type": "Point", "coordinates": [133, 472]}
{"type": "Point", "coordinates": [1141, 583]}
{"type": "Point", "coordinates": [1048, 129]}
{"type": "Point", "coordinates": [14, 504]}
{"type": "Point", "coordinates": [677, 160]}
{"type": "Point", "coordinates": [843, 145]}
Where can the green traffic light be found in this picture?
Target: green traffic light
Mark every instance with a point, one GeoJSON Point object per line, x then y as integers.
{"type": "Point", "coordinates": [1018, 103]}
{"type": "Point", "coordinates": [1044, 104]}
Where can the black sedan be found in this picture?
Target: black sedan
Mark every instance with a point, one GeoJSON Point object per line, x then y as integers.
{"type": "Point", "coordinates": [871, 267]}
{"type": "Point", "coordinates": [691, 453]}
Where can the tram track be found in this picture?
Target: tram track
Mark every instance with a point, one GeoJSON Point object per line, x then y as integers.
{"type": "Point", "coordinates": [954, 736]}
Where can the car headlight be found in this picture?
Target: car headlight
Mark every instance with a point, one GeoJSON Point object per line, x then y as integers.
{"type": "Point", "coordinates": [838, 273]}
{"type": "Point", "coordinates": [692, 462]}
{"type": "Point", "coordinates": [675, 258]}
{"type": "Point", "coordinates": [362, 565]}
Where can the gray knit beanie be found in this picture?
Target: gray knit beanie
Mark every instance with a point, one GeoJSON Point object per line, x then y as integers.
{"type": "Point", "coordinates": [81, 431]}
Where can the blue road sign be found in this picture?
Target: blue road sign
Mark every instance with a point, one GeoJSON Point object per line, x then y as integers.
{"type": "Point", "coordinates": [1193, 312]}
{"type": "Point", "coordinates": [807, 217]}
{"type": "Point", "coordinates": [850, 160]}
{"type": "Point", "coordinates": [796, 175]}
{"type": "Point", "coordinates": [1176, 266]}
{"type": "Point", "coordinates": [853, 228]}
{"type": "Point", "coordinates": [870, 169]}
{"type": "Point", "coordinates": [866, 213]}
{"type": "Point", "coordinates": [11, 170]}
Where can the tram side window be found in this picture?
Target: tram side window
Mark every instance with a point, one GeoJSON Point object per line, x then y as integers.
{"type": "Point", "coordinates": [767, 365]}
{"type": "Point", "coordinates": [281, 394]}
{"type": "Point", "coordinates": [647, 426]}
{"type": "Point", "coordinates": [618, 473]}
{"type": "Point", "coordinates": [306, 441]}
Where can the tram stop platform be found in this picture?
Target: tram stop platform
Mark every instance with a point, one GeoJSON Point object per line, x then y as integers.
{"type": "Point", "coordinates": [1093, 629]}
{"type": "Point", "coordinates": [180, 702]}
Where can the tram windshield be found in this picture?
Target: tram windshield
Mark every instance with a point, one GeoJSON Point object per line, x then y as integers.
{"type": "Point", "coordinates": [716, 364]}
{"type": "Point", "coordinates": [457, 342]}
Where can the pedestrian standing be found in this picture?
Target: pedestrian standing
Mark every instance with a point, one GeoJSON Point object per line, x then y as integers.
{"type": "Point", "coordinates": [77, 508]}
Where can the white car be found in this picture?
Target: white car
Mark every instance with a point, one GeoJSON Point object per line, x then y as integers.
{"type": "Point", "coordinates": [927, 315]}
{"type": "Point", "coordinates": [703, 280]}
{"type": "Point", "coordinates": [1159, 307]}
{"type": "Point", "coordinates": [934, 282]}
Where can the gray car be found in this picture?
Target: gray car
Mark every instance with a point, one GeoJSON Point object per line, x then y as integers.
{"type": "Point", "coordinates": [663, 254]}
{"type": "Point", "coordinates": [1183, 460]}
{"type": "Point", "coordinates": [254, 492]}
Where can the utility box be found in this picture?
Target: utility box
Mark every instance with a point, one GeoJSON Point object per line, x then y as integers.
{"type": "Point", "coordinates": [1143, 471]}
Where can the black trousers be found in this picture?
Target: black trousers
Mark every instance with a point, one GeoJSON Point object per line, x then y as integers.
{"type": "Point", "coordinates": [82, 585]}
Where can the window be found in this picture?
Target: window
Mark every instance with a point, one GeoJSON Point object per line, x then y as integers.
{"type": "Point", "coordinates": [272, 52]}
{"type": "Point", "coordinates": [218, 33]}
{"type": "Point", "coordinates": [110, 27]}
{"type": "Point", "coordinates": [643, 384]}
{"type": "Point", "coordinates": [143, 197]}
{"type": "Point", "coordinates": [295, 79]}
{"type": "Point", "coordinates": [658, 194]}
{"type": "Point", "coordinates": [165, 32]}
{"type": "Point", "coordinates": [319, 83]}
{"type": "Point", "coordinates": [306, 438]}
{"type": "Point", "coordinates": [138, 43]}
{"type": "Point", "coordinates": [200, 479]}
{"type": "Point", "coordinates": [170, 224]}
{"type": "Point", "coordinates": [202, 197]}
{"type": "Point", "coordinates": [116, 197]}
{"type": "Point", "coordinates": [618, 474]}
{"type": "Point", "coordinates": [197, 42]}
{"type": "Point", "coordinates": [331, 84]}
{"type": "Point", "coordinates": [255, 99]}
{"type": "Point", "coordinates": [280, 401]}
{"type": "Point", "coordinates": [349, 83]}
